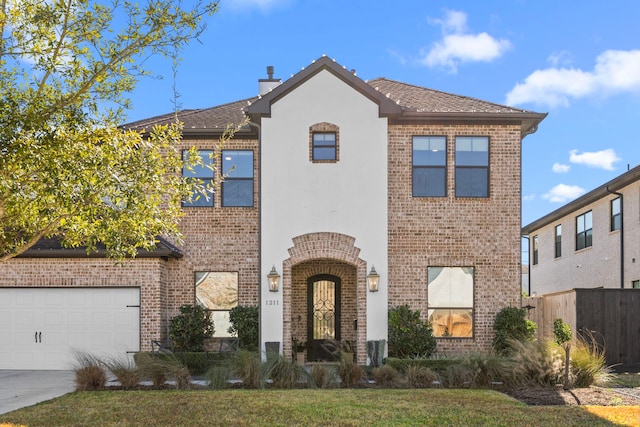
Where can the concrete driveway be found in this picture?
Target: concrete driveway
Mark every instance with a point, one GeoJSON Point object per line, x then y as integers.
{"type": "Point", "coordinates": [25, 388]}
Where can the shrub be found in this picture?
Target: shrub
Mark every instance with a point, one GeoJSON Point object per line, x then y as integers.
{"type": "Point", "coordinates": [347, 370]}
{"type": "Point", "coordinates": [199, 363]}
{"type": "Point", "coordinates": [322, 376]}
{"type": "Point", "coordinates": [160, 368]}
{"type": "Point", "coordinates": [386, 376]}
{"type": "Point", "coordinates": [189, 329]}
{"type": "Point", "coordinates": [486, 369]}
{"type": "Point", "coordinates": [409, 335]}
{"type": "Point", "coordinates": [286, 373]}
{"type": "Point", "coordinates": [420, 377]}
{"type": "Point", "coordinates": [536, 363]}
{"type": "Point", "coordinates": [456, 376]}
{"type": "Point", "coordinates": [218, 377]}
{"type": "Point", "coordinates": [511, 324]}
{"type": "Point", "coordinates": [90, 373]}
{"type": "Point", "coordinates": [588, 362]}
{"type": "Point", "coordinates": [125, 371]}
{"type": "Point", "coordinates": [246, 366]}
{"type": "Point", "coordinates": [244, 324]}
{"type": "Point", "coordinates": [436, 365]}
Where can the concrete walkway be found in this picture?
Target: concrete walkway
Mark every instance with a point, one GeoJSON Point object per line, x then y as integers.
{"type": "Point", "coordinates": [25, 388]}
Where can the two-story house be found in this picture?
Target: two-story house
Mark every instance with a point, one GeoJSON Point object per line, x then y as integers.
{"type": "Point", "coordinates": [343, 198]}
{"type": "Point", "coordinates": [591, 242]}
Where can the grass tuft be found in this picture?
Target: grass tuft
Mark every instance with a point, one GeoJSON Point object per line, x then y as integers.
{"type": "Point", "coordinates": [90, 372]}
{"type": "Point", "coordinates": [386, 376]}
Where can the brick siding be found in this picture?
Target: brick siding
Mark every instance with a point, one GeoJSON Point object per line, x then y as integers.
{"type": "Point", "coordinates": [447, 231]}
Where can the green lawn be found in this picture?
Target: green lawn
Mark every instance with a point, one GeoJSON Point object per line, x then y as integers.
{"type": "Point", "coordinates": [339, 407]}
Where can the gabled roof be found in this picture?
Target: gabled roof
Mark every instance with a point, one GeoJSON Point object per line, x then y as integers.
{"type": "Point", "coordinates": [262, 107]}
{"type": "Point", "coordinates": [398, 101]}
{"type": "Point", "coordinates": [615, 184]}
{"type": "Point", "coordinates": [52, 248]}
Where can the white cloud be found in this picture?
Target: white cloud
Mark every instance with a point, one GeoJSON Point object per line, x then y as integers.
{"type": "Point", "coordinates": [615, 71]}
{"type": "Point", "coordinates": [598, 159]}
{"type": "Point", "coordinates": [562, 193]}
{"type": "Point", "coordinates": [529, 197]}
{"type": "Point", "coordinates": [560, 168]}
{"type": "Point", "coordinates": [560, 57]}
{"type": "Point", "coordinates": [263, 5]}
{"type": "Point", "coordinates": [457, 45]}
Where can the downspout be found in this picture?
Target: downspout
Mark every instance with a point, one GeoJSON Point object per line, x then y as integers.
{"type": "Point", "coordinates": [621, 236]}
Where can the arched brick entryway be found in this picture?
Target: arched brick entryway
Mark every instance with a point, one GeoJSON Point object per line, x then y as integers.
{"type": "Point", "coordinates": [325, 253]}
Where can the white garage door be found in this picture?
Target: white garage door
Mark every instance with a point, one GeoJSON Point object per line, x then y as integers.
{"type": "Point", "coordinates": [43, 328]}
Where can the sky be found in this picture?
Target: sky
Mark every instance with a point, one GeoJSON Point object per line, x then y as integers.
{"type": "Point", "coordinates": [577, 61]}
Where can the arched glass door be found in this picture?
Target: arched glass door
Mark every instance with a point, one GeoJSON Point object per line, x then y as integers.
{"type": "Point", "coordinates": [323, 311]}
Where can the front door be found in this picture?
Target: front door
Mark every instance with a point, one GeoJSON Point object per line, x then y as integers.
{"type": "Point", "coordinates": [323, 316]}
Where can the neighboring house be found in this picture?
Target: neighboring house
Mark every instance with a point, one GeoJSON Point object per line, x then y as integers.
{"type": "Point", "coordinates": [591, 242]}
{"type": "Point", "coordinates": [333, 176]}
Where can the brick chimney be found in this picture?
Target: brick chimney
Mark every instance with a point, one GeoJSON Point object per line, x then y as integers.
{"type": "Point", "coordinates": [269, 83]}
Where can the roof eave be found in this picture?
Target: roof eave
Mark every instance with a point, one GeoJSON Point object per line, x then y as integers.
{"type": "Point", "coordinates": [605, 189]}
{"type": "Point", "coordinates": [528, 121]}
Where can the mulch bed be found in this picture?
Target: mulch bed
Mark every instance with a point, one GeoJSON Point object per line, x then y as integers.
{"type": "Point", "coordinates": [595, 396]}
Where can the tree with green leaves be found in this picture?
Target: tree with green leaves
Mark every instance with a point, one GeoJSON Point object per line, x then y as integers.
{"type": "Point", "coordinates": [67, 170]}
{"type": "Point", "coordinates": [562, 336]}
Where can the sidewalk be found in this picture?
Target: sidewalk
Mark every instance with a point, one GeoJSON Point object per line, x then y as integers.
{"type": "Point", "coordinates": [19, 389]}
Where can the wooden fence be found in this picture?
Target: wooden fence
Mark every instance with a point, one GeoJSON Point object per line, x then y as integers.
{"type": "Point", "coordinates": [612, 316]}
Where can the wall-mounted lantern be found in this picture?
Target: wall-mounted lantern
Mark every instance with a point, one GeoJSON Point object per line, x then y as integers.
{"type": "Point", "coordinates": [274, 279]}
{"type": "Point", "coordinates": [373, 280]}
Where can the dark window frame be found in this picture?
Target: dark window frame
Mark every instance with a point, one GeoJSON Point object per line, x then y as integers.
{"type": "Point", "coordinates": [486, 193]}
{"type": "Point", "coordinates": [220, 331]}
{"type": "Point", "coordinates": [584, 235]}
{"type": "Point", "coordinates": [209, 162]}
{"type": "Point", "coordinates": [558, 241]}
{"type": "Point", "coordinates": [229, 178]}
{"type": "Point", "coordinates": [439, 167]}
{"type": "Point", "coordinates": [316, 146]}
{"type": "Point", "coordinates": [471, 309]}
{"type": "Point", "coordinates": [535, 250]}
{"type": "Point", "coordinates": [616, 216]}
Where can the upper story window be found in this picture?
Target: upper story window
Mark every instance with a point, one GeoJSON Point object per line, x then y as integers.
{"type": "Point", "coordinates": [429, 177]}
{"type": "Point", "coordinates": [472, 166]}
{"type": "Point", "coordinates": [324, 143]}
{"type": "Point", "coordinates": [450, 301]}
{"type": "Point", "coordinates": [203, 175]}
{"type": "Point", "coordinates": [237, 186]}
{"type": "Point", "coordinates": [558, 253]}
{"type": "Point", "coordinates": [616, 214]}
{"type": "Point", "coordinates": [324, 146]}
{"type": "Point", "coordinates": [535, 250]}
{"type": "Point", "coordinates": [584, 231]}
